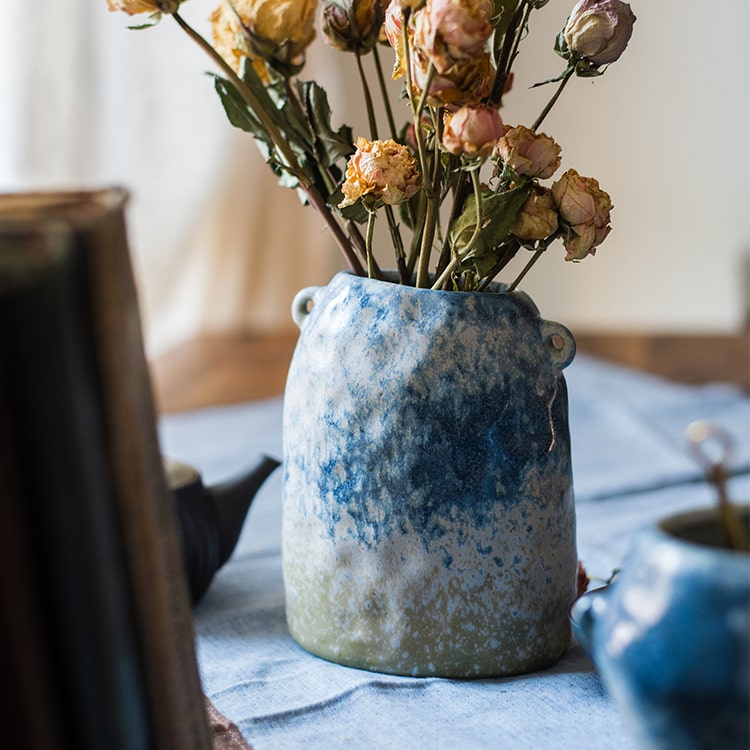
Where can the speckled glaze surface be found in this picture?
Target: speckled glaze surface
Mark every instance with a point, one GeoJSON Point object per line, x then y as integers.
{"type": "Point", "coordinates": [671, 638]}
{"type": "Point", "coordinates": [428, 521]}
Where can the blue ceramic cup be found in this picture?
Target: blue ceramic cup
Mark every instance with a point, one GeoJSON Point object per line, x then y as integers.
{"type": "Point", "coordinates": [670, 636]}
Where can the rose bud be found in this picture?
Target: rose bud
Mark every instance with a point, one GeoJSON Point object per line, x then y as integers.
{"type": "Point", "coordinates": [538, 217]}
{"type": "Point", "coordinates": [529, 153]}
{"type": "Point", "coordinates": [352, 25]}
{"type": "Point", "coordinates": [599, 30]}
{"type": "Point", "coordinates": [473, 130]}
{"type": "Point", "coordinates": [384, 171]}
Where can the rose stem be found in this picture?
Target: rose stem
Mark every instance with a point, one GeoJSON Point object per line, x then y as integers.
{"type": "Point", "coordinates": [551, 103]}
{"type": "Point", "coordinates": [316, 199]}
{"type": "Point", "coordinates": [392, 223]}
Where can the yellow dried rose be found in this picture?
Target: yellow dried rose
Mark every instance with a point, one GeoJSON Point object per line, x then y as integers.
{"type": "Point", "coordinates": [466, 82]}
{"type": "Point", "coordinates": [274, 29]}
{"type": "Point", "coordinates": [383, 171]}
{"type": "Point", "coordinates": [537, 218]}
{"type": "Point", "coordinates": [134, 7]}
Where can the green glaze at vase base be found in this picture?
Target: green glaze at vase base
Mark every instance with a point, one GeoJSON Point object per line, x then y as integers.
{"type": "Point", "coordinates": [389, 612]}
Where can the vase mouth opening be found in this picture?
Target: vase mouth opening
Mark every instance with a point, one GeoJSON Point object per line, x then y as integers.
{"type": "Point", "coordinates": [703, 529]}
{"type": "Point", "coordinates": [392, 277]}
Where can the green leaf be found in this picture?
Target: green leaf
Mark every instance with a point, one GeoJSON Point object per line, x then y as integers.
{"type": "Point", "coordinates": [556, 79]}
{"type": "Point", "coordinates": [289, 116]}
{"type": "Point", "coordinates": [498, 213]}
{"type": "Point", "coordinates": [355, 212]}
{"type": "Point", "coordinates": [152, 20]}
{"type": "Point", "coordinates": [504, 10]}
{"type": "Point", "coordinates": [330, 145]}
{"type": "Point", "coordinates": [236, 109]}
{"type": "Point", "coordinates": [241, 116]}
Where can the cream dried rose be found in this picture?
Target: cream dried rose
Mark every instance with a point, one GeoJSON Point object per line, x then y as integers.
{"type": "Point", "coordinates": [599, 30]}
{"type": "Point", "coordinates": [280, 28]}
{"type": "Point", "coordinates": [473, 130]}
{"type": "Point", "coordinates": [538, 217]}
{"type": "Point", "coordinates": [529, 153]}
{"type": "Point", "coordinates": [134, 7]}
{"type": "Point", "coordinates": [385, 171]}
{"type": "Point", "coordinates": [585, 208]}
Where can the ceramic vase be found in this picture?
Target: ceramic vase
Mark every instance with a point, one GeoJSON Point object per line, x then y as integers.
{"type": "Point", "coordinates": [428, 518]}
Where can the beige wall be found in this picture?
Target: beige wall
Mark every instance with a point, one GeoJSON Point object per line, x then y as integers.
{"type": "Point", "coordinates": [666, 131]}
{"type": "Point", "coordinates": [218, 245]}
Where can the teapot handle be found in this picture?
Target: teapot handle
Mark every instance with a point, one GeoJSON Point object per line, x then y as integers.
{"type": "Point", "coordinates": [302, 304]}
{"type": "Point", "coordinates": [559, 342]}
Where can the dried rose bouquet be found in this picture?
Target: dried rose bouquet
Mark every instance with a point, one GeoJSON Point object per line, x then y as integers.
{"type": "Point", "coordinates": [461, 191]}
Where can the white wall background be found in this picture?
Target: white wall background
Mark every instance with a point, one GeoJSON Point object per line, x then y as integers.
{"type": "Point", "coordinates": [88, 102]}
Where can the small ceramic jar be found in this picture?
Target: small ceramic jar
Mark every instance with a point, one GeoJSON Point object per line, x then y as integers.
{"type": "Point", "coordinates": [671, 636]}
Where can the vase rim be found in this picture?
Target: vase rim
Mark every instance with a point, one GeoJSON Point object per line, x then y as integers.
{"type": "Point", "coordinates": [391, 277]}
{"type": "Point", "coordinates": [682, 529]}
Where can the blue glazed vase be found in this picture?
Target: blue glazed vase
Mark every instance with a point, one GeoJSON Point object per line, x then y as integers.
{"type": "Point", "coordinates": [671, 636]}
{"type": "Point", "coordinates": [428, 519]}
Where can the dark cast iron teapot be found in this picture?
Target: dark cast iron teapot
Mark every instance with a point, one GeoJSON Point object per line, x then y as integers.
{"type": "Point", "coordinates": [210, 519]}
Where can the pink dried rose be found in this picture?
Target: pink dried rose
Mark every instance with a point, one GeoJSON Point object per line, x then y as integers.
{"type": "Point", "coordinates": [283, 28]}
{"type": "Point", "coordinates": [134, 7]}
{"type": "Point", "coordinates": [529, 153]}
{"type": "Point", "coordinates": [599, 30]}
{"type": "Point", "coordinates": [452, 30]}
{"type": "Point", "coordinates": [537, 218]}
{"type": "Point", "coordinates": [585, 208]}
{"type": "Point", "coordinates": [382, 171]}
{"type": "Point", "coordinates": [473, 130]}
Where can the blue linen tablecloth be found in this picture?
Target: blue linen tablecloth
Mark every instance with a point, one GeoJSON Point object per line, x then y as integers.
{"type": "Point", "coordinates": [631, 467]}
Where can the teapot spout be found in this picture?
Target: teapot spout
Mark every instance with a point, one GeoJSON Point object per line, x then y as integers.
{"type": "Point", "coordinates": [232, 500]}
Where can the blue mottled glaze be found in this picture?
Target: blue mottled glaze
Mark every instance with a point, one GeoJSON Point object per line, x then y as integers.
{"type": "Point", "coordinates": [429, 525]}
{"type": "Point", "coordinates": [671, 637]}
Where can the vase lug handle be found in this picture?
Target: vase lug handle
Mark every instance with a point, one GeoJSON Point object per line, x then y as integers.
{"type": "Point", "coordinates": [302, 304]}
{"type": "Point", "coordinates": [559, 342]}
